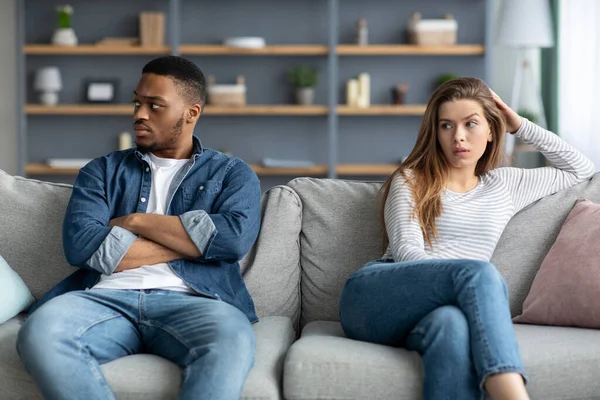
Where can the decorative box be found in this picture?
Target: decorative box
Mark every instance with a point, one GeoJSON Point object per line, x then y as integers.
{"type": "Point", "coordinates": [227, 95]}
{"type": "Point", "coordinates": [432, 31]}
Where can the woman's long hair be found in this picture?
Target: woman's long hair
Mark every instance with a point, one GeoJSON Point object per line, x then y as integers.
{"type": "Point", "coordinates": [425, 169]}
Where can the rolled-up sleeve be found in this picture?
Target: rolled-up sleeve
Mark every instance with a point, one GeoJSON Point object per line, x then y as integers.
{"type": "Point", "coordinates": [88, 241]}
{"type": "Point", "coordinates": [199, 227]}
{"type": "Point", "coordinates": [228, 232]}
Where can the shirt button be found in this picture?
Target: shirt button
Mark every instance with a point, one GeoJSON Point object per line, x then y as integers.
{"type": "Point", "coordinates": [147, 169]}
{"type": "Point", "coordinates": [143, 199]}
{"type": "Point", "coordinates": [201, 187]}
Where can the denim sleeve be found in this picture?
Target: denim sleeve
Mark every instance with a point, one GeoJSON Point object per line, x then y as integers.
{"type": "Point", "coordinates": [229, 232]}
{"type": "Point", "coordinates": [88, 241]}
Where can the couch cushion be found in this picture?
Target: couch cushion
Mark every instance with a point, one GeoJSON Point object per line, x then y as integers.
{"type": "Point", "coordinates": [340, 233]}
{"type": "Point", "coordinates": [566, 288]}
{"type": "Point", "coordinates": [271, 269]}
{"type": "Point", "coordinates": [561, 363]}
{"type": "Point", "coordinates": [149, 377]}
{"type": "Point", "coordinates": [31, 214]}
{"type": "Point", "coordinates": [324, 364]}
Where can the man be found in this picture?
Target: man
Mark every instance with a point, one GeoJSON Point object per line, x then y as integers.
{"type": "Point", "coordinates": [157, 233]}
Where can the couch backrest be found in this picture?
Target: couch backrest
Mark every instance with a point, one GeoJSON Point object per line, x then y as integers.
{"type": "Point", "coordinates": [31, 215]}
{"type": "Point", "coordinates": [341, 232]}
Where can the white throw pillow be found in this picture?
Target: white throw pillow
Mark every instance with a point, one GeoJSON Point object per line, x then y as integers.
{"type": "Point", "coordinates": [15, 297]}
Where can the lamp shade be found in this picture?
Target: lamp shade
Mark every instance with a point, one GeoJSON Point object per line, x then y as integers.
{"type": "Point", "coordinates": [525, 24]}
{"type": "Point", "coordinates": [48, 79]}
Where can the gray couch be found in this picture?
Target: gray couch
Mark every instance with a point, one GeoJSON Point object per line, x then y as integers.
{"type": "Point", "coordinates": [314, 234]}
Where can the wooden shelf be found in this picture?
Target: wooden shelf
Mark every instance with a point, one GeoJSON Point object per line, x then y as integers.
{"type": "Point", "coordinates": [307, 171]}
{"type": "Point", "coordinates": [366, 169]}
{"type": "Point", "coordinates": [408, 49]}
{"type": "Point", "coordinates": [127, 109]}
{"type": "Point", "coordinates": [250, 110]}
{"type": "Point", "coordinates": [91, 49]}
{"type": "Point", "coordinates": [317, 170]}
{"type": "Point", "coordinates": [80, 109]}
{"type": "Point", "coordinates": [276, 109]}
{"type": "Point", "coordinates": [409, 109]}
{"type": "Point", "coordinates": [43, 169]}
{"type": "Point", "coordinates": [273, 50]}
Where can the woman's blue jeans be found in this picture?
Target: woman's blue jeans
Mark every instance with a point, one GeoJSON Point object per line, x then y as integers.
{"type": "Point", "coordinates": [455, 313]}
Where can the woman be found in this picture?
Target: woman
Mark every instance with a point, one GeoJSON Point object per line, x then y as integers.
{"type": "Point", "coordinates": [444, 209]}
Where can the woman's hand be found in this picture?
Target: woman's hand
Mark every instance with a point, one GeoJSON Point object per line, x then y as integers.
{"type": "Point", "coordinates": [513, 120]}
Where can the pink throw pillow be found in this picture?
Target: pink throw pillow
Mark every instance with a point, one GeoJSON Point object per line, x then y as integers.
{"type": "Point", "coordinates": [566, 289]}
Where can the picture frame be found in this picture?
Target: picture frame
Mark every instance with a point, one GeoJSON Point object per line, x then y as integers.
{"type": "Point", "coordinates": [101, 90]}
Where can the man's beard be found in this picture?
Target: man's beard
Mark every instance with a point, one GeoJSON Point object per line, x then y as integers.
{"type": "Point", "coordinates": [176, 131]}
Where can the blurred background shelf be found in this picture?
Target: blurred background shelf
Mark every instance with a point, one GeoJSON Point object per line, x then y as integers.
{"type": "Point", "coordinates": [270, 50]}
{"type": "Point", "coordinates": [127, 109]}
{"type": "Point", "coordinates": [88, 50]}
{"type": "Point", "coordinates": [317, 170]}
{"type": "Point", "coordinates": [410, 50]}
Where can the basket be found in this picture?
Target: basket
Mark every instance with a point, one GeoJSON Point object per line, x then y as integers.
{"type": "Point", "coordinates": [227, 95]}
{"type": "Point", "coordinates": [428, 32]}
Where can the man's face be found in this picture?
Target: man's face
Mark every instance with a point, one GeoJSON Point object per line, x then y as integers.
{"type": "Point", "coordinates": [158, 117]}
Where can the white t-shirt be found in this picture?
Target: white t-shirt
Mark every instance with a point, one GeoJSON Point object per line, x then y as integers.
{"type": "Point", "coordinates": [157, 276]}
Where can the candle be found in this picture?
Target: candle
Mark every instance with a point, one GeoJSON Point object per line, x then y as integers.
{"type": "Point", "coordinates": [364, 90]}
{"type": "Point", "coordinates": [125, 141]}
{"type": "Point", "coordinates": [352, 92]}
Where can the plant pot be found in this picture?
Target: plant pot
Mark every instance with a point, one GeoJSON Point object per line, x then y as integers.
{"type": "Point", "coordinates": [305, 96]}
{"type": "Point", "coordinates": [64, 37]}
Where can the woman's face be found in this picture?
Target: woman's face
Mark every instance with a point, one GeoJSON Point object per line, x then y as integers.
{"type": "Point", "coordinates": [463, 133]}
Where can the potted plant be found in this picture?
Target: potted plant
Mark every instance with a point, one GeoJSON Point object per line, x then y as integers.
{"type": "Point", "coordinates": [64, 35]}
{"type": "Point", "coordinates": [304, 79]}
{"type": "Point", "coordinates": [445, 78]}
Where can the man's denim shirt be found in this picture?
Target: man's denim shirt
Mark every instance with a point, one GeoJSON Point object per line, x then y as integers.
{"type": "Point", "coordinates": [217, 198]}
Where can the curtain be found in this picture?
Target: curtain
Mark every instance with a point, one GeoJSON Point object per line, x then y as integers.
{"type": "Point", "coordinates": [579, 76]}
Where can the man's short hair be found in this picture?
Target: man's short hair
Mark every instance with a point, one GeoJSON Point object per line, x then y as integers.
{"type": "Point", "coordinates": [188, 78]}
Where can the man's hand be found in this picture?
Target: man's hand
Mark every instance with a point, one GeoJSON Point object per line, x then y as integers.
{"type": "Point", "coordinates": [513, 120]}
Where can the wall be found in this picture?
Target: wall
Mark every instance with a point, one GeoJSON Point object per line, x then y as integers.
{"type": "Point", "coordinates": [8, 87]}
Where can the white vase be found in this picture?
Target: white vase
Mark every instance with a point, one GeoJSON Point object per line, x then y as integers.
{"type": "Point", "coordinates": [305, 96]}
{"type": "Point", "coordinates": [64, 37]}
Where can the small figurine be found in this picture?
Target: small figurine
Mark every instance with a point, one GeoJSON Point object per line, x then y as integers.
{"type": "Point", "coordinates": [362, 32]}
{"type": "Point", "coordinates": [399, 93]}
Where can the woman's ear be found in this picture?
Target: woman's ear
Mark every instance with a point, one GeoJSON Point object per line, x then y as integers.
{"type": "Point", "coordinates": [490, 137]}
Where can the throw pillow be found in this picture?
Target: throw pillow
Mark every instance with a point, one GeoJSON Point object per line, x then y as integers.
{"type": "Point", "coordinates": [566, 289]}
{"type": "Point", "coordinates": [15, 297]}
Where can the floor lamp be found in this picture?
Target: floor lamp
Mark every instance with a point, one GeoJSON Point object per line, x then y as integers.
{"type": "Point", "coordinates": [524, 24]}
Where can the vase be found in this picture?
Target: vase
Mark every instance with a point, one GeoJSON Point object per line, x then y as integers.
{"type": "Point", "coordinates": [64, 37]}
{"type": "Point", "coordinates": [305, 96]}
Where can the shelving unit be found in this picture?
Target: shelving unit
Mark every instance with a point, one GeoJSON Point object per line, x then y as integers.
{"type": "Point", "coordinates": [352, 144]}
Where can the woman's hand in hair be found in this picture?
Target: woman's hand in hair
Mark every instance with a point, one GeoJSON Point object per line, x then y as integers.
{"type": "Point", "coordinates": [513, 120]}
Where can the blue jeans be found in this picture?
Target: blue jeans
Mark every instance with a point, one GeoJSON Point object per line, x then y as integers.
{"type": "Point", "coordinates": [64, 342]}
{"type": "Point", "coordinates": [455, 313]}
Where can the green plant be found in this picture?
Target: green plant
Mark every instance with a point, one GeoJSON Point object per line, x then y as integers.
{"type": "Point", "coordinates": [530, 115]}
{"type": "Point", "coordinates": [303, 77]}
{"type": "Point", "coordinates": [64, 16]}
{"type": "Point", "coordinates": [445, 78]}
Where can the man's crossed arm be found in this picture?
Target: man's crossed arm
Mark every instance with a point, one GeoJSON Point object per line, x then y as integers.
{"type": "Point", "coordinates": [163, 239]}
